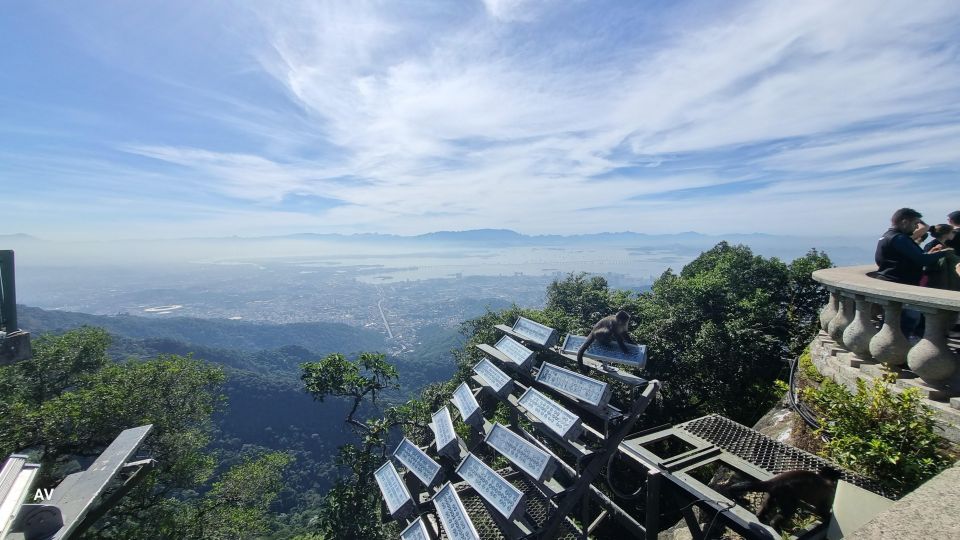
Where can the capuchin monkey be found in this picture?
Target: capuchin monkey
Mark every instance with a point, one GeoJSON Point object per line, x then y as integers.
{"type": "Point", "coordinates": [606, 330]}
{"type": "Point", "coordinates": [785, 491]}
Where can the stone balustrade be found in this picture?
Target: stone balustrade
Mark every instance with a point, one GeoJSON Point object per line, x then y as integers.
{"type": "Point", "coordinates": [851, 318]}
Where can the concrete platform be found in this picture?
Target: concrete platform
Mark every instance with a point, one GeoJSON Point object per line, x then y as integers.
{"type": "Point", "coordinates": [928, 512]}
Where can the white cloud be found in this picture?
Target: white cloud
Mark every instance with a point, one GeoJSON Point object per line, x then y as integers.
{"type": "Point", "coordinates": [513, 10]}
{"type": "Point", "coordinates": [456, 117]}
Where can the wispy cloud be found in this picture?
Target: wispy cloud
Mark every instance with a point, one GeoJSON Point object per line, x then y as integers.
{"type": "Point", "coordinates": [559, 116]}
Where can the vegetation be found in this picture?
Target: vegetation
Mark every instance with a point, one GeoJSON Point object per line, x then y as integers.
{"type": "Point", "coordinates": [719, 333]}
{"type": "Point", "coordinates": [237, 335]}
{"type": "Point", "coordinates": [263, 408]}
{"type": "Point", "coordinates": [886, 435]}
{"type": "Point", "coordinates": [356, 495]}
{"type": "Point", "coordinates": [70, 401]}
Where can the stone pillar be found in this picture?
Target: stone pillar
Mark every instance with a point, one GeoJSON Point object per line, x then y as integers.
{"type": "Point", "coordinates": [859, 333]}
{"type": "Point", "coordinates": [829, 311]}
{"type": "Point", "coordinates": [889, 346]}
{"type": "Point", "coordinates": [931, 359]}
{"type": "Point", "coordinates": [842, 319]}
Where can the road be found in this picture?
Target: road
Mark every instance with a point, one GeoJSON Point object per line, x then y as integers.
{"type": "Point", "coordinates": [382, 315]}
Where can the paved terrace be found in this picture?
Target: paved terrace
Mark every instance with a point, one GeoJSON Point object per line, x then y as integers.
{"type": "Point", "coordinates": [861, 338]}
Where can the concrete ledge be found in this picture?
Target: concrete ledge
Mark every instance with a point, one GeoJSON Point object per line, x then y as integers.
{"type": "Point", "coordinates": [855, 279]}
{"type": "Point", "coordinates": [928, 512]}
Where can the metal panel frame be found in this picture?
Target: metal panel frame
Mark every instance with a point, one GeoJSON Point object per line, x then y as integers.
{"type": "Point", "coordinates": [450, 501]}
{"type": "Point", "coordinates": [607, 353]}
{"type": "Point", "coordinates": [76, 501]}
{"type": "Point", "coordinates": [390, 474]}
{"type": "Point", "coordinates": [417, 530]}
{"type": "Point", "coordinates": [515, 351]}
{"type": "Point", "coordinates": [570, 430]}
{"type": "Point", "coordinates": [16, 478]}
{"type": "Point", "coordinates": [442, 424]}
{"type": "Point", "coordinates": [534, 332]}
{"type": "Point", "coordinates": [462, 399]}
{"type": "Point", "coordinates": [487, 370]}
{"type": "Point", "coordinates": [484, 490]}
{"type": "Point", "coordinates": [541, 473]}
{"type": "Point", "coordinates": [417, 468]}
{"type": "Point", "coordinates": [598, 399]}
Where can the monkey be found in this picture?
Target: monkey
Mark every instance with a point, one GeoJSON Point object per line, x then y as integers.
{"type": "Point", "coordinates": [785, 491]}
{"type": "Point", "coordinates": [606, 330]}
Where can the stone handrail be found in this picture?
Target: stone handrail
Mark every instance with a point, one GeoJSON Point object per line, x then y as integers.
{"type": "Point", "coordinates": [856, 299]}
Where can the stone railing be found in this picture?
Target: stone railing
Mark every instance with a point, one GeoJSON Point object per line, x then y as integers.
{"type": "Point", "coordinates": [858, 302]}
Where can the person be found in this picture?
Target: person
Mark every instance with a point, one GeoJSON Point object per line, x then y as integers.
{"type": "Point", "coordinates": [900, 260]}
{"type": "Point", "coordinates": [953, 218]}
{"type": "Point", "coordinates": [898, 257]}
{"type": "Point", "coordinates": [942, 236]}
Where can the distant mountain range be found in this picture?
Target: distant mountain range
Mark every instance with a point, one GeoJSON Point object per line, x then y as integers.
{"type": "Point", "coordinates": [498, 236]}
{"type": "Point", "coordinates": [507, 237]}
{"type": "Point", "coordinates": [844, 249]}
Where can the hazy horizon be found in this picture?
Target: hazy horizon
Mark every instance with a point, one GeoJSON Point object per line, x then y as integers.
{"type": "Point", "coordinates": [348, 250]}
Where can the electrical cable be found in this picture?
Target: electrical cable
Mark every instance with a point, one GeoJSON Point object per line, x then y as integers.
{"type": "Point", "coordinates": [723, 506]}
{"type": "Point", "coordinates": [805, 413]}
{"type": "Point", "coordinates": [721, 510]}
{"type": "Point", "coordinates": [617, 492]}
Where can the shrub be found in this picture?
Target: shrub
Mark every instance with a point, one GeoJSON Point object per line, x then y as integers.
{"type": "Point", "coordinates": [885, 435]}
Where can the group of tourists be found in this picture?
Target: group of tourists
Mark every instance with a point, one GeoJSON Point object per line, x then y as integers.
{"type": "Point", "coordinates": [903, 257]}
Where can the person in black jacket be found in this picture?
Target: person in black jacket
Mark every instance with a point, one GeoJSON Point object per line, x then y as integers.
{"type": "Point", "coordinates": [901, 260]}
{"type": "Point", "coordinates": [898, 257]}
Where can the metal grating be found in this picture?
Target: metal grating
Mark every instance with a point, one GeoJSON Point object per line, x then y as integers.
{"type": "Point", "coordinates": [536, 510]}
{"type": "Point", "coordinates": [766, 453]}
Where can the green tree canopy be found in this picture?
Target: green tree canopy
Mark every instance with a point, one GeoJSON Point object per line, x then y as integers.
{"type": "Point", "coordinates": [721, 330]}
{"type": "Point", "coordinates": [68, 402]}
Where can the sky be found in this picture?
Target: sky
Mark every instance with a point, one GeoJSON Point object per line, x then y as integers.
{"type": "Point", "coordinates": [167, 119]}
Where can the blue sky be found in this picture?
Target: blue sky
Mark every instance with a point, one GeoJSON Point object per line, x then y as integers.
{"type": "Point", "coordinates": [182, 118]}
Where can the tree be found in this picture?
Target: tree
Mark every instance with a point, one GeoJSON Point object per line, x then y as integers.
{"type": "Point", "coordinates": [351, 508]}
{"type": "Point", "coordinates": [718, 332]}
{"type": "Point", "coordinates": [583, 300]}
{"type": "Point", "coordinates": [368, 376]}
{"type": "Point", "coordinates": [807, 297]}
{"type": "Point", "coordinates": [721, 330]}
{"type": "Point", "coordinates": [237, 505]}
{"type": "Point", "coordinates": [68, 402]}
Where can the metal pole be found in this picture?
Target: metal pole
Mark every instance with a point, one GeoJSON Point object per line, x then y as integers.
{"type": "Point", "coordinates": [652, 522]}
{"type": "Point", "coordinates": [8, 292]}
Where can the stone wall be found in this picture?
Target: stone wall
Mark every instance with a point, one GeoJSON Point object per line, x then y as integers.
{"type": "Point", "coordinates": [835, 362]}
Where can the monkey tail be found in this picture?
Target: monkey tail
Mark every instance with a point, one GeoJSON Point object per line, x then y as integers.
{"type": "Point", "coordinates": [830, 473]}
{"type": "Point", "coordinates": [743, 487]}
{"type": "Point", "coordinates": [583, 349]}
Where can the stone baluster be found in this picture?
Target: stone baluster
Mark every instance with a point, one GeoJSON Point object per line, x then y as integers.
{"type": "Point", "coordinates": [931, 359]}
{"type": "Point", "coordinates": [841, 320]}
{"type": "Point", "coordinates": [829, 311]}
{"type": "Point", "coordinates": [889, 346]}
{"type": "Point", "coordinates": [859, 333]}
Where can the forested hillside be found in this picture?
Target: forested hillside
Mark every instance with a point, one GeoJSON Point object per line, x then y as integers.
{"type": "Point", "coordinates": [320, 337]}
{"type": "Point", "coordinates": [719, 334]}
{"type": "Point", "coordinates": [265, 407]}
